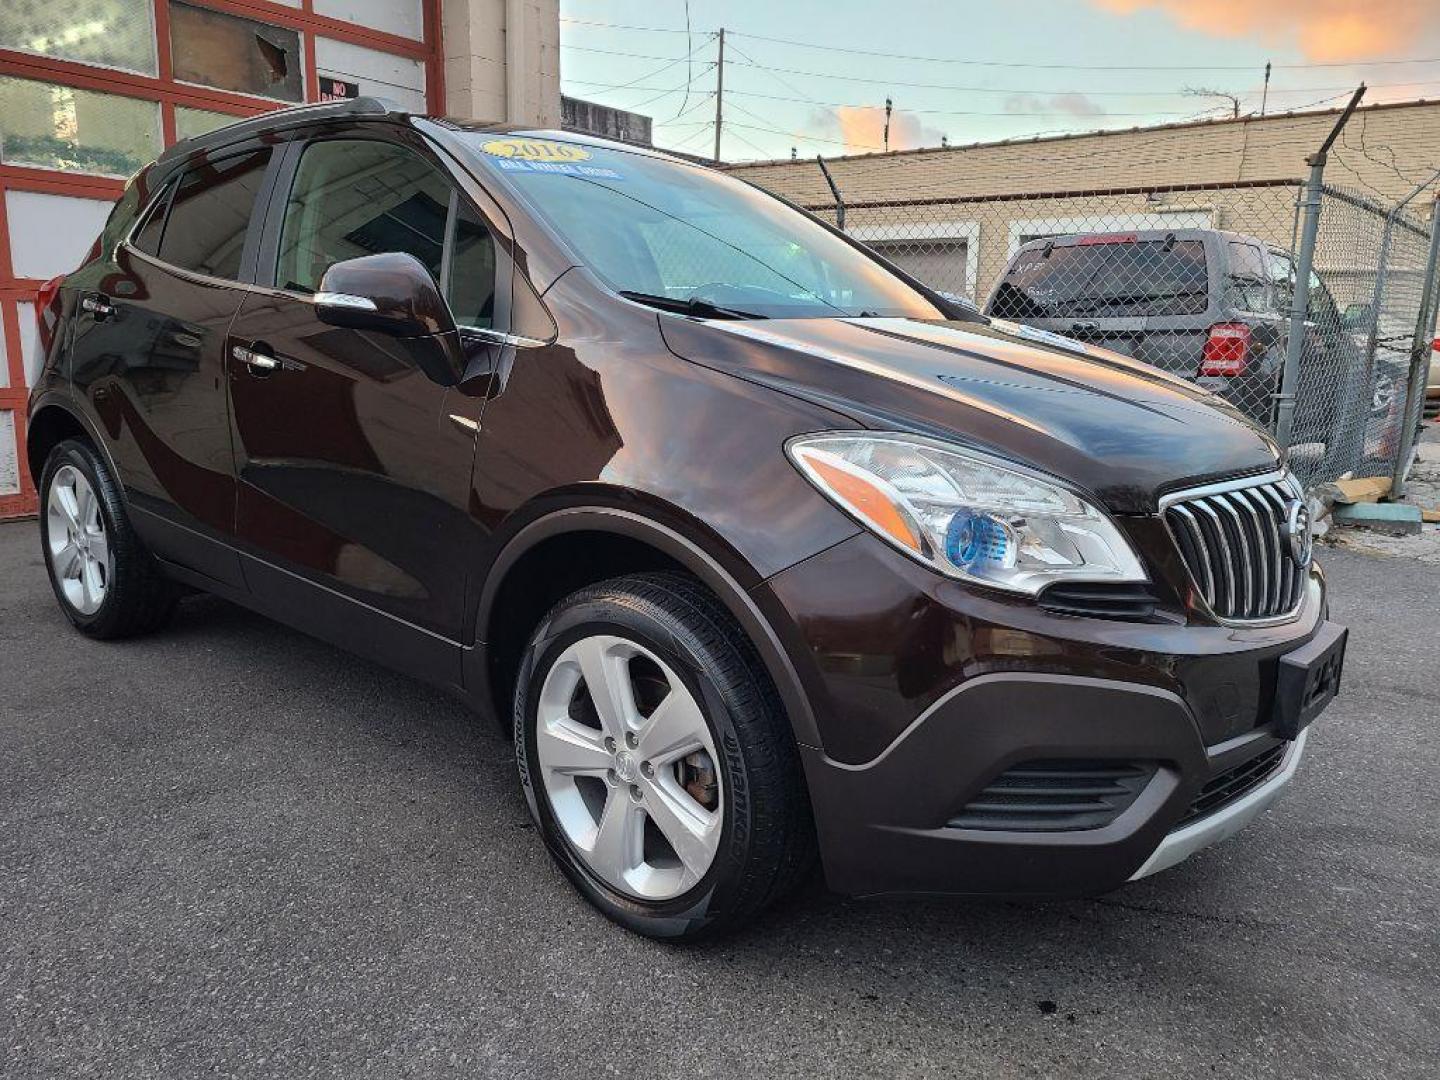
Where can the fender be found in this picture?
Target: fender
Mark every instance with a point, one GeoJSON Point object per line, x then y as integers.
{"type": "Point", "coordinates": [689, 554]}
{"type": "Point", "coordinates": [68, 404]}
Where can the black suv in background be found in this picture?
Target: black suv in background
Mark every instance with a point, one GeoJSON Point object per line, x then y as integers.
{"type": "Point", "coordinates": [758, 548]}
{"type": "Point", "coordinates": [1209, 306]}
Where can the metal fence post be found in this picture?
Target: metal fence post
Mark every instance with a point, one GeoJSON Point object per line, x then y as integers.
{"type": "Point", "coordinates": [834, 190]}
{"type": "Point", "coordinates": [1300, 301]}
{"type": "Point", "coordinates": [1420, 346]}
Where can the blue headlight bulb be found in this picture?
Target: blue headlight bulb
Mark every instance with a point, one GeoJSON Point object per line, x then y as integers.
{"type": "Point", "coordinates": [974, 540]}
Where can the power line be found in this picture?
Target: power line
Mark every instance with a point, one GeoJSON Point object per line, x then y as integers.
{"type": "Point", "coordinates": [995, 63]}
{"type": "Point", "coordinates": [807, 100]}
{"type": "Point", "coordinates": [953, 87]}
{"type": "Point", "coordinates": [1071, 67]}
{"type": "Point", "coordinates": [620, 26]}
{"type": "Point", "coordinates": [690, 71]}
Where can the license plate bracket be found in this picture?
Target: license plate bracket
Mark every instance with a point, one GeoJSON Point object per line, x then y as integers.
{"type": "Point", "coordinates": [1307, 680]}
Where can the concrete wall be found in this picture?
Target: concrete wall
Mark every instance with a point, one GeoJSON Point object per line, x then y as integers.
{"type": "Point", "coordinates": [482, 40]}
{"type": "Point", "coordinates": [1001, 194]}
{"type": "Point", "coordinates": [1214, 152]}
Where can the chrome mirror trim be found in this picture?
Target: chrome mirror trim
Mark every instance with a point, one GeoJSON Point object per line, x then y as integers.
{"type": "Point", "coordinates": [499, 337]}
{"type": "Point", "coordinates": [345, 300]}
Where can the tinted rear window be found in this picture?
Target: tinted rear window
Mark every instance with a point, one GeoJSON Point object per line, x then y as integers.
{"type": "Point", "coordinates": [210, 213]}
{"type": "Point", "coordinates": [1106, 279]}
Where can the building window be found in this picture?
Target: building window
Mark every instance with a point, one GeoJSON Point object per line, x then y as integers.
{"type": "Point", "coordinates": [49, 126]}
{"type": "Point", "coordinates": [230, 53]}
{"type": "Point", "coordinates": [192, 122]}
{"type": "Point", "coordinates": [111, 33]}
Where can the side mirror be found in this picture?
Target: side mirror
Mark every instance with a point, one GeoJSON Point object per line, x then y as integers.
{"type": "Point", "coordinates": [1356, 316]}
{"type": "Point", "coordinates": [391, 293]}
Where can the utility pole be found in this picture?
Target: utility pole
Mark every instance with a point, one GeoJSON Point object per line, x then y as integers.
{"type": "Point", "coordinates": [888, 106]}
{"type": "Point", "coordinates": [719, 94]}
{"type": "Point", "coordinates": [1265, 94]}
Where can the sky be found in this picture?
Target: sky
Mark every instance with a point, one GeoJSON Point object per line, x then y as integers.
{"type": "Point", "coordinates": [969, 71]}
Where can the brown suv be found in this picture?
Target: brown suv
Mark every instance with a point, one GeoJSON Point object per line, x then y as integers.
{"type": "Point", "coordinates": [761, 549]}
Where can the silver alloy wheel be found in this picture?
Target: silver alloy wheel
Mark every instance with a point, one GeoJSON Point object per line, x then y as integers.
{"type": "Point", "coordinates": [79, 548]}
{"type": "Point", "coordinates": [616, 776]}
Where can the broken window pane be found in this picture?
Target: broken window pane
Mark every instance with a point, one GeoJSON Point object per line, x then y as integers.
{"type": "Point", "coordinates": [231, 53]}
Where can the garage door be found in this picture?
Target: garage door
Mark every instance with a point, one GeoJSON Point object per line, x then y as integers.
{"type": "Point", "coordinates": [941, 264]}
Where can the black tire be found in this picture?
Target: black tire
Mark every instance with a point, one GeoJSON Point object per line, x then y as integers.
{"type": "Point", "coordinates": [767, 845]}
{"type": "Point", "coordinates": [138, 598]}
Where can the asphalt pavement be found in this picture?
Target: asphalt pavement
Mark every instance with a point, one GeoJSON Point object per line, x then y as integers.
{"type": "Point", "coordinates": [231, 850]}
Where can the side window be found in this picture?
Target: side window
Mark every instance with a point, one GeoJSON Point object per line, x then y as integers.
{"type": "Point", "coordinates": [210, 213]}
{"type": "Point", "coordinates": [1248, 279]}
{"type": "Point", "coordinates": [147, 237]}
{"type": "Point", "coordinates": [472, 271]}
{"type": "Point", "coordinates": [355, 197]}
{"type": "Point", "coordinates": [1322, 304]}
{"type": "Point", "coordinates": [1282, 279]}
{"type": "Point", "coordinates": [360, 197]}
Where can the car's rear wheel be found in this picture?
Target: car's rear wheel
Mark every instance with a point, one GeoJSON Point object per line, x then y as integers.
{"type": "Point", "coordinates": [656, 758]}
{"type": "Point", "coordinates": [105, 581]}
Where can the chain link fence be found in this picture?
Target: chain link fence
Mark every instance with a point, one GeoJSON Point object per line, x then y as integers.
{"type": "Point", "coordinates": [1199, 281]}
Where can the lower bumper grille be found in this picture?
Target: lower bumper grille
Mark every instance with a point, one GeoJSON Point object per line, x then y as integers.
{"type": "Point", "coordinates": [1056, 795]}
{"type": "Point", "coordinates": [1233, 783]}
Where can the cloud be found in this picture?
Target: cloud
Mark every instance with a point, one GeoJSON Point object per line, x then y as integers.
{"type": "Point", "coordinates": [1070, 104]}
{"type": "Point", "coordinates": [1324, 30]}
{"type": "Point", "coordinates": [862, 128]}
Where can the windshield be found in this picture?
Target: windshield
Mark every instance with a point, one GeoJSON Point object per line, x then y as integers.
{"type": "Point", "coordinates": [688, 238]}
{"type": "Point", "coordinates": [1106, 278]}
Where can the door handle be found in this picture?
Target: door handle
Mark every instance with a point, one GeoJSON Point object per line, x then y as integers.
{"type": "Point", "coordinates": [259, 363]}
{"type": "Point", "coordinates": [98, 306]}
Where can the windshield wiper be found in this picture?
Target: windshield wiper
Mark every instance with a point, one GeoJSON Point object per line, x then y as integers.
{"type": "Point", "coordinates": [690, 305]}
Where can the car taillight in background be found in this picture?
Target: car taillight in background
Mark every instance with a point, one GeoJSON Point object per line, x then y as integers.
{"type": "Point", "coordinates": [44, 300]}
{"type": "Point", "coordinates": [46, 292]}
{"type": "Point", "coordinates": [1227, 350]}
{"type": "Point", "coordinates": [47, 318]}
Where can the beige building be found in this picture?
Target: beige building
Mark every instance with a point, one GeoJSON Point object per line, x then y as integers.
{"type": "Point", "coordinates": [954, 216]}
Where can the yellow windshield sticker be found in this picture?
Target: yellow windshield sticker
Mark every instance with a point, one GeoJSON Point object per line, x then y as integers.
{"type": "Point", "coordinates": [535, 150]}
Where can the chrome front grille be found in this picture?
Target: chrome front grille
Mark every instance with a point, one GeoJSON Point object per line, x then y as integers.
{"type": "Point", "coordinates": [1236, 541]}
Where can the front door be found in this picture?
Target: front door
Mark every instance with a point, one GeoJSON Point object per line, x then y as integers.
{"type": "Point", "coordinates": [353, 460]}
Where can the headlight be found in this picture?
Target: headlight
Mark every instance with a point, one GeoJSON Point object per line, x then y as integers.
{"type": "Point", "coordinates": [965, 514]}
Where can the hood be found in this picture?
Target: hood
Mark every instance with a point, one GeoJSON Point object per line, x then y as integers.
{"type": "Point", "coordinates": [1122, 430]}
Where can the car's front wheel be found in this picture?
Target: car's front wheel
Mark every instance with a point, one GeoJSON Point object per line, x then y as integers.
{"type": "Point", "coordinates": [657, 760]}
{"type": "Point", "coordinates": [106, 582]}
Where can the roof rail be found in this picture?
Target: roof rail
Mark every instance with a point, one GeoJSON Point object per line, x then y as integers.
{"type": "Point", "coordinates": [282, 118]}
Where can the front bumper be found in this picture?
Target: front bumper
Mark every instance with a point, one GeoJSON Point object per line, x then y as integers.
{"type": "Point", "coordinates": [1183, 842]}
{"type": "Point", "coordinates": [925, 692]}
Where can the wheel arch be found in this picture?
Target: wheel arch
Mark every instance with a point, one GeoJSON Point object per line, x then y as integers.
{"type": "Point", "coordinates": [631, 542]}
{"type": "Point", "coordinates": [53, 419]}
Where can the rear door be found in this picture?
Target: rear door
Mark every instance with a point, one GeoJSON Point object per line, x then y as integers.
{"type": "Point", "coordinates": [354, 459]}
{"type": "Point", "coordinates": [149, 349]}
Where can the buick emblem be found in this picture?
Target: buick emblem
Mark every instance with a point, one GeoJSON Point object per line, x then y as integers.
{"type": "Point", "coordinates": [626, 767]}
{"type": "Point", "coordinates": [1299, 532]}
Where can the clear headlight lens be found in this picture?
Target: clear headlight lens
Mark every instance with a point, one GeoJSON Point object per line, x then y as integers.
{"type": "Point", "coordinates": [965, 514]}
